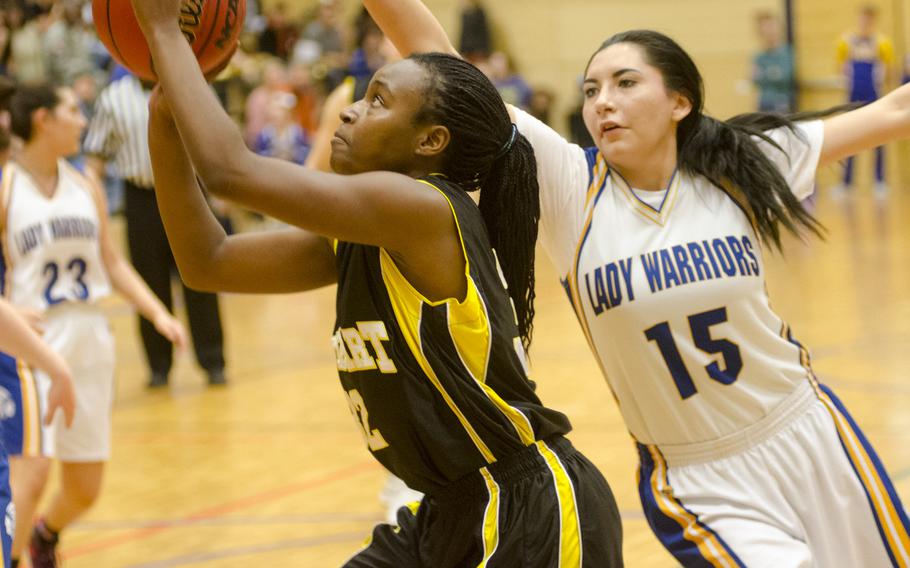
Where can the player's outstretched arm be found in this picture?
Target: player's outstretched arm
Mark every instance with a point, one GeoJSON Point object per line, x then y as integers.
{"type": "Point", "coordinates": [886, 120]}
{"type": "Point", "coordinates": [410, 26]}
{"type": "Point", "coordinates": [19, 340]}
{"type": "Point", "coordinates": [209, 259]}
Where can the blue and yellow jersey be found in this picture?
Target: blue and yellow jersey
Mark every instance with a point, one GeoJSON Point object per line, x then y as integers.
{"type": "Point", "coordinates": [864, 60]}
{"type": "Point", "coordinates": [439, 388]}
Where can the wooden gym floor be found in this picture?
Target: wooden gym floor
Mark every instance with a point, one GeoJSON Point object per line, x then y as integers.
{"type": "Point", "coordinates": [272, 470]}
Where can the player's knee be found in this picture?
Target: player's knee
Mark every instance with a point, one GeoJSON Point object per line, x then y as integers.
{"type": "Point", "coordinates": [29, 478]}
{"type": "Point", "coordinates": [82, 493]}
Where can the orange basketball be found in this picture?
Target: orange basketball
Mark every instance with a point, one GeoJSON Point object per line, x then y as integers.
{"type": "Point", "coordinates": [210, 26]}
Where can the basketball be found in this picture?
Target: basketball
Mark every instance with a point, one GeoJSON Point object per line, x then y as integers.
{"type": "Point", "coordinates": [210, 26]}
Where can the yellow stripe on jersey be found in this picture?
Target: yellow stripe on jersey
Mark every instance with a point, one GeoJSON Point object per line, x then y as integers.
{"type": "Point", "coordinates": [708, 545]}
{"type": "Point", "coordinates": [598, 174]}
{"type": "Point", "coordinates": [884, 509]}
{"type": "Point", "coordinates": [407, 304]}
{"type": "Point", "coordinates": [31, 411]}
{"type": "Point", "coordinates": [570, 549]}
{"type": "Point", "coordinates": [470, 330]}
{"type": "Point", "coordinates": [596, 183]}
{"type": "Point", "coordinates": [469, 327]}
{"type": "Point", "coordinates": [490, 519]}
{"type": "Point", "coordinates": [601, 170]}
{"type": "Point", "coordinates": [659, 217]}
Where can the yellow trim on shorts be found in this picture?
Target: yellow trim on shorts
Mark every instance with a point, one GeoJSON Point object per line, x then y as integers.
{"type": "Point", "coordinates": [898, 541]}
{"type": "Point", "coordinates": [570, 547]}
{"type": "Point", "coordinates": [708, 545]}
{"type": "Point", "coordinates": [490, 519]}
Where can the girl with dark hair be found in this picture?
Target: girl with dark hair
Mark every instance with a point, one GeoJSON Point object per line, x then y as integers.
{"type": "Point", "coordinates": [58, 262]}
{"type": "Point", "coordinates": [432, 324]}
{"type": "Point", "coordinates": [746, 459]}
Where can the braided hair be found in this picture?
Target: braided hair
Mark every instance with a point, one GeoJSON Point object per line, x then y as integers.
{"type": "Point", "coordinates": [487, 152]}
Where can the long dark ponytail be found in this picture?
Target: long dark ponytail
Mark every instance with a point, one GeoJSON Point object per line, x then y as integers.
{"type": "Point", "coordinates": [726, 152]}
{"type": "Point", "coordinates": [486, 152]}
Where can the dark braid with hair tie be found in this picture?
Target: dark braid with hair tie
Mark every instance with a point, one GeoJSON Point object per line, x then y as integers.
{"type": "Point", "coordinates": [461, 98]}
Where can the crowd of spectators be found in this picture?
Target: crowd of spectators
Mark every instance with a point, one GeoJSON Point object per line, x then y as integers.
{"type": "Point", "coordinates": [276, 83]}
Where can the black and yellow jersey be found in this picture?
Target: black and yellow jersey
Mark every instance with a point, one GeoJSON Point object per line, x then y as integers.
{"type": "Point", "coordinates": [439, 388]}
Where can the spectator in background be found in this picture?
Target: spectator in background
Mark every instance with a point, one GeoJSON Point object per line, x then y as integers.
{"type": "Point", "coordinates": [322, 44]}
{"type": "Point", "coordinates": [279, 35]}
{"type": "Point", "coordinates": [27, 58]}
{"type": "Point", "coordinates": [474, 42]}
{"type": "Point", "coordinates": [274, 79]}
{"type": "Point", "coordinates": [118, 132]}
{"type": "Point", "coordinates": [511, 86]}
{"type": "Point", "coordinates": [281, 137]}
{"type": "Point", "coordinates": [69, 45]}
{"type": "Point", "coordinates": [865, 56]}
{"type": "Point", "coordinates": [306, 111]}
{"type": "Point", "coordinates": [6, 37]}
{"type": "Point", "coordinates": [541, 104]}
{"type": "Point", "coordinates": [773, 68]}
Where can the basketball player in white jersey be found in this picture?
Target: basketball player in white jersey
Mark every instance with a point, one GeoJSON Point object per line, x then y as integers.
{"type": "Point", "coordinates": [58, 262]}
{"type": "Point", "coordinates": [746, 459]}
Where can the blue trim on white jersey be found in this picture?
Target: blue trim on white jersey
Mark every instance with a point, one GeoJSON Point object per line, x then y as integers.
{"type": "Point", "coordinates": [643, 202]}
{"type": "Point", "coordinates": [591, 157]}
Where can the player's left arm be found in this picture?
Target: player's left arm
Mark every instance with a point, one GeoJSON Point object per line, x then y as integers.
{"type": "Point", "coordinates": [883, 121]}
{"type": "Point", "coordinates": [127, 282]}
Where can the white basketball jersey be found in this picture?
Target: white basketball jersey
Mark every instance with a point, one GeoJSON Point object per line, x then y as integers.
{"type": "Point", "coordinates": [51, 247]}
{"type": "Point", "coordinates": [669, 288]}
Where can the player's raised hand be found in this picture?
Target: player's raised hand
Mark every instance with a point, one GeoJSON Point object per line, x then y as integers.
{"type": "Point", "coordinates": [61, 396]}
{"type": "Point", "coordinates": [154, 14]}
{"type": "Point", "coordinates": [171, 328]}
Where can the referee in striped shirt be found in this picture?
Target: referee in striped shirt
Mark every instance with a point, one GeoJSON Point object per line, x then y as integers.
{"type": "Point", "coordinates": [118, 131]}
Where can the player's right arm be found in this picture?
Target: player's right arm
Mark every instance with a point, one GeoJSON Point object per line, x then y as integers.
{"type": "Point", "coordinates": [18, 340]}
{"type": "Point", "coordinates": [410, 26]}
{"type": "Point", "coordinates": [209, 259]}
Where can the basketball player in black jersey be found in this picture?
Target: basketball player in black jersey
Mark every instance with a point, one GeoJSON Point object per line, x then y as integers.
{"type": "Point", "coordinates": [431, 326]}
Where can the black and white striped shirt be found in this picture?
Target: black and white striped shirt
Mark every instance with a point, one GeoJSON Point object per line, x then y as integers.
{"type": "Point", "coordinates": [119, 129]}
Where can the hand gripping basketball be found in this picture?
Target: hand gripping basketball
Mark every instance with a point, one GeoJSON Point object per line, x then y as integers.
{"type": "Point", "coordinates": [212, 28]}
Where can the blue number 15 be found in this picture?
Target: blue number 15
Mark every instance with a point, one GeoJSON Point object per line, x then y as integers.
{"type": "Point", "coordinates": [700, 325]}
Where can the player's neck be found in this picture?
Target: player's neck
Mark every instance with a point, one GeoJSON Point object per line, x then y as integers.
{"type": "Point", "coordinates": [41, 166]}
{"type": "Point", "coordinates": [653, 173]}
